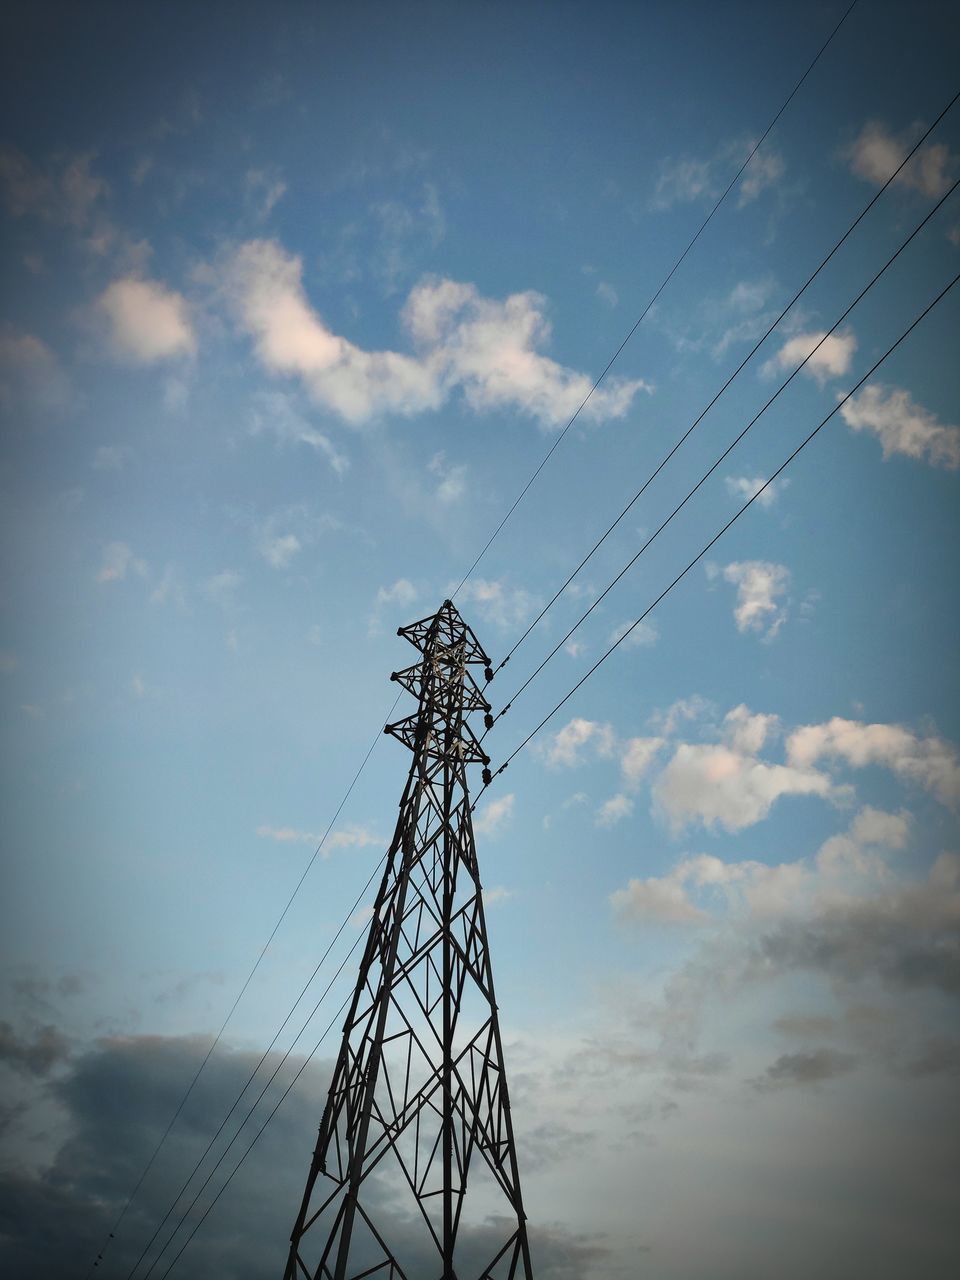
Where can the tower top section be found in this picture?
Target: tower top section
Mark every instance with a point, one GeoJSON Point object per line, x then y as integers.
{"type": "Point", "coordinates": [446, 629]}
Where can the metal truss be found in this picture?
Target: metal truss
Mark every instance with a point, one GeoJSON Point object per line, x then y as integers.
{"type": "Point", "coordinates": [414, 1176]}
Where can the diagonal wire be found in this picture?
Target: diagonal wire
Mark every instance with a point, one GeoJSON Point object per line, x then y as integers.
{"type": "Point", "coordinates": [275, 1073]}
{"type": "Point", "coordinates": [689, 431]}
{"type": "Point", "coordinates": [233, 1008]}
{"type": "Point", "coordinates": [700, 554]}
{"type": "Point", "coordinates": [729, 449]}
{"type": "Point", "coordinates": [236, 1168]}
{"type": "Point", "coordinates": [663, 284]}
{"type": "Point", "coordinates": [253, 1073]}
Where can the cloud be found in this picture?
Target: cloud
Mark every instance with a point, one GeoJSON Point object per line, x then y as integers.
{"type": "Point", "coordinates": [688, 179]}
{"type": "Point", "coordinates": [274, 412]}
{"type": "Point", "coordinates": [760, 584]}
{"type": "Point", "coordinates": [638, 754]}
{"type": "Point", "coordinates": [284, 534]}
{"type": "Point", "coordinates": [825, 355]}
{"type": "Point", "coordinates": [402, 595]}
{"type": "Point", "coordinates": [494, 816]}
{"type": "Point", "coordinates": [32, 381]}
{"type": "Point", "coordinates": [353, 836]}
{"type": "Point", "coordinates": [802, 889]}
{"type": "Point", "coordinates": [876, 152]}
{"type": "Point", "coordinates": [566, 747]}
{"type": "Point", "coordinates": [36, 1056]}
{"type": "Point", "coordinates": [657, 900]}
{"type": "Point", "coordinates": [614, 810]}
{"type": "Point", "coordinates": [264, 189]}
{"type": "Point", "coordinates": [810, 1067]}
{"type": "Point", "coordinates": [931, 763]}
{"type": "Point", "coordinates": [505, 607]}
{"type": "Point", "coordinates": [903, 426]}
{"type": "Point", "coordinates": [607, 293]}
{"type": "Point", "coordinates": [484, 348]}
{"type": "Point", "coordinates": [451, 478]}
{"type": "Point", "coordinates": [743, 488]}
{"type": "Point", "coordinates": [764, 170]}
{"type": "Point", "coordinates": [727, 784]}
{"type": "Point", "coordinates": [116, 1101]}
{"type": "Point", "coordinates": [119, 560]}
{"type": "Point", "coordinates": [640, 637]}
{"type": "Point", "coordinates": [222, 587]}
{"type": "Point", "coordinates": [147, 322]}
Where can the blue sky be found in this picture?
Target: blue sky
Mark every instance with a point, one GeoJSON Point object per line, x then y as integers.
{"type": "Point", "coordinates": [294, 302]}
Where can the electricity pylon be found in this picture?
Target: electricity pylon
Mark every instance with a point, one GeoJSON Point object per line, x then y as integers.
{"type": "Point", "coordinates": [414, 1176]}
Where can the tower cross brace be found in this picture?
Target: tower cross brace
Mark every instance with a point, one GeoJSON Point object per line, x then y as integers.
{"type": "Point", "coordinates": [414, 1175]}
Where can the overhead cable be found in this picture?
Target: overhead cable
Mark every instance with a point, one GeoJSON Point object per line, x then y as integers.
{"type": "Point", "coordinates": [663, 284]}
{"type": "Point", "coordinates": [233, 1008]}
{"type": "Point", "coordinates": [703, 551]}
{"type": "Point", "coordinates": [739, 369]}
{"type": "Point", "coordinates": [727, 451]}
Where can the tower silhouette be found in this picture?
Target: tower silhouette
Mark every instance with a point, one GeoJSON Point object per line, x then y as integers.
{"type": "Point", "coordinates": [414, 1176]}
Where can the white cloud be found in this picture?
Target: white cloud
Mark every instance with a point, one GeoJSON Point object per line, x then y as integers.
{"type": "Point", "coordinates": [567, 745]}
{"type": "Point", "coordinates": [485, 348]}
{"type": "Point", "coordinates": [688, 179]}
{"type": "Point", "coordinates": [931, 763]}
{"type": "Point", "coordinates": [279, 549]}
{"type": "Point", "coordinates": [400, 596]}
{"type": "Point", "coordinates": [265, 188]}
{"type": "Point", "coordinates": [727, 783]}
{"type": "Point", "coordinates": [451, 478]}
{"type": "Point", "coordinates": [497, 894]}
{"type": "Point", "coordinates": [703, 888]}
{"type": "Point", "coordinates": [760, 585]}
{"type": "Point", "coordinates": [353, 836]}
{"type": "Point", "coordinates": [274, 412]}
{"type": "Point", "coordinates": [494, 816]}
{"type": "Point", "coordinates": [503, 606]}
{"type": "Point", "coordinates": [637, 756]}
{"type": "Point", "coordinates": [222, 587]}
{"type": "Point", "coordinates": [147, 322]}
{"type": "Point", "coordinates": [614, 810]}
{"type": "Point", "coordinates": [903, 426]}
{"type": "Point", "coordinates": [826, 355]}
{"type": "Point", "coordinates": [765, 170]}
{"type": "Point", "coordinates": [168, 589]}
{"type": "Point", "coordinates": [119, 560]}
{"type": "Point", "coordinates": [876, 152]}
{"type": "Point", "coordinates": [402, 593]}
{"type": "Point", "coordinates": [607, 293]}
{"type": "Point", "coordinates": [642, 636]}
{"type": "Point", "coordinates": [742, 488]}
{"type": "Point", "coordinates": [284, 534]}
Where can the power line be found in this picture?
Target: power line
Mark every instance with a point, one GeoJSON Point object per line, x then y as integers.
{"type": "Point", "coordinates": [252, 1076]}
{"type": "Point", "coordinates": [666, 280]}
{"type": "Point", "coordinates": [276, 1071]}
{"type": "Point", "coordinates": [796, 297]}
{"type": "Point", "coordinates": [233, 1008]}
{"type": "Point", "coordinates": [729, 449]}
{"type": "Point", "coordinates": [700, 554]}
{"type": "Point", "coordinates": [256, 1138]}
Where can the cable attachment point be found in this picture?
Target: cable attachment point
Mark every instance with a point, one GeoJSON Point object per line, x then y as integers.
{"type": "Point", "coordinates": [488, 674]}
{"type": "Point", "coordinates": [488, 721]}
{"type": "Point", "coordinates": [487, 777]}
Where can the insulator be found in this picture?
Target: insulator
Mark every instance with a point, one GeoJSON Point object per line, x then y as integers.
{"type": "Point", "coordinates": [487, 777]}
{"type": "Point", "coordinates": [394, 675]}
{"type": "Point", "coordinates": [488, 674]}
{"type": "Point", "coordinates": [488, 721]}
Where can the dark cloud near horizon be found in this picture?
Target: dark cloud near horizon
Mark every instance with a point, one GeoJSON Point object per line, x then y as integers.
{"type": "Point", "coordinates": [34, 1055]}
{"type": "Point", "coordinates": [809, 1067]}
{"type": "Point", "coordinates": [117, 1099]}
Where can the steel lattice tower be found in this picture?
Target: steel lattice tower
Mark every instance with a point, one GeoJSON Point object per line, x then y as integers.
{"type": "Point", "coordinates": [418, 1105]}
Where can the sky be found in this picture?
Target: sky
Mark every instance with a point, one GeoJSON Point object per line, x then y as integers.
{"type": "Point", "coordinates": [295, 300]}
